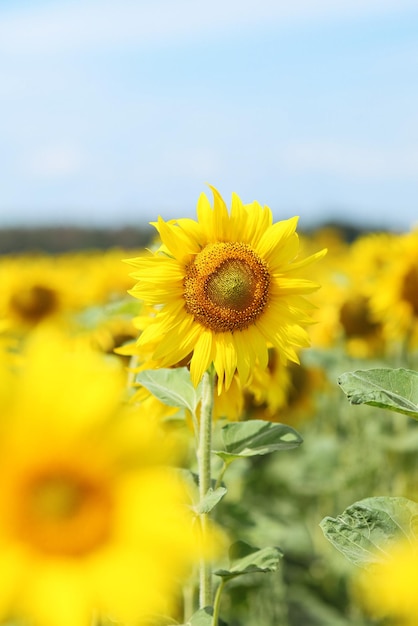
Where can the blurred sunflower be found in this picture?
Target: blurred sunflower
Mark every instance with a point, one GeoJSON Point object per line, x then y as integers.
{"type": "Point", "coordinates": [93, 523]}
{"type": "Point", "coordinates": [224, 289]}
{"type": "Point", "coordinates": [33, 291]}
{"type": "Point", "coordinates": [283, 393]}
{"type": "Point", "coordinates": [269, 389]}
{"type": "Point", "coordinates": [345, 316]}
{"type": "Point", "coordinates": [394, 295]}
{"type": "Point", "coordinates": [389, 589]}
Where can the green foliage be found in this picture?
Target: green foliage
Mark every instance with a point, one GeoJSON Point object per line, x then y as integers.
{"type": "Point", "coordinates": [172, 387]}
{"type": "Point", "coordinates": [279, 499]}
{"type": "Point", "coordinates": [94, 316]}
{"type": "Point", "coordinates": [245, 559]}
{"type": "Point", "coordinates": [211, 499]}
{"type": "Point", "coordinates": [256, 437]}
{"type": "Point", "coordinates": [392, 389]}
{"type": "Point", "coordinates": [203, 617]}
{"type": "Point", "coordinates": [367, 529]}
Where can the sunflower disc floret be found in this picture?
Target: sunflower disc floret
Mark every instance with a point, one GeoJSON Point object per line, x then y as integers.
{"type": "Point", "coordinates": [226, 287]}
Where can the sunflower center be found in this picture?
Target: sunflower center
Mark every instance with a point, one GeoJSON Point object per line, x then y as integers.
{"type": "Point", "coordinates": [34, 303]}
{"type": "Point", "coordinates": [410, 289]}
{"type": "Point", "coordinates": [232, 286]}
{"type": "Point", "coordinates": [64, 511]}
{"type": "Point", "coordinates": [226, 287]}
{"type": "Point", "coordinates": [355, 318]}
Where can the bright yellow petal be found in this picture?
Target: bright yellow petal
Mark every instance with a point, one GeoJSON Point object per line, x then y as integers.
{"type": "Point", "coordinates": [258, 221]}
{"type": "Point", "coordinates": [296, 265]}
{"type": "Point", "coordinates": [275, 239]}
{"type": "Point", "coordinates": [225, 359]}
{"type": "Point", "coordinates": [202, 356]}
{"type": "Point", "coordinates": [257, 345]}
{"type": "Point", "coordinates": [244, 360]}
{"type": "Point", "coordinates": [176, 240]}
{"type": "Point", "coordinates": [221, 215]}
{"type": "Point", "coordinates": [295, 286]}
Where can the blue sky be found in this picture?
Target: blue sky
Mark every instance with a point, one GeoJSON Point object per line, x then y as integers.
{"type": "Point", "coordinates": [114, 112]}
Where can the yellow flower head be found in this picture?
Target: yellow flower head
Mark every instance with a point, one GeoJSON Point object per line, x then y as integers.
{"type": "Point", "coordinates": [32, 292]}
{"type": "Point", "coordinates": [394, 295]}
{"type": "Point", "coordinates": [390, 588]}
{"type": "Point", "coordinates": [345, 317]}
{"type": "Point", "coordinates": [93, 522]}
{"type": "Point", "coordinates": [225, 288]}
{"type": "Point", "coordinates": [283, 392]}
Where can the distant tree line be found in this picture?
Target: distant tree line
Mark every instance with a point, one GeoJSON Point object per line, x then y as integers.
{"type": "Point", "coordinates": [60, 239]}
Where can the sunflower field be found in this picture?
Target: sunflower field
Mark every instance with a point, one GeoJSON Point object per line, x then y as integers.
{"type": "Point", "coordinates": [218, 429]}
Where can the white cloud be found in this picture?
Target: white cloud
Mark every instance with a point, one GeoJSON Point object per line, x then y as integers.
{"type": "Point", "coordinates": [359, 162]}
{"type": "Point", "coordinates": [95, 23]}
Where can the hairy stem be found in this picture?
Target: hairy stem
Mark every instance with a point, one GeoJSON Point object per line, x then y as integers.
{"type": "Point", "coordinates": [204, 465]}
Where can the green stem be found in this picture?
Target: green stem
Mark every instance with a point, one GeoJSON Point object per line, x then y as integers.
{"type": "Point", "coordinates": [204, 465]}
{"type": "Point", "coordinates": [188, 593]}
{"type": "Point", "coordinates": [217, 603]}
{"type": "Point", "coordinates": [223, 469]}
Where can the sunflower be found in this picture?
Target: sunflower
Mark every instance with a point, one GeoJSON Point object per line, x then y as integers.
{"type": "Point", "coordinates": [389, 588]}
{"type": "Point", "coordinates": [94, 524]}
{"type": "Point", "coordinates": [394, 294]}
{"type": "Point", "coordinates": [345, 317]}
{"type": "Point", "coordinates": [224, 289]}
{"type": "Point", "coordinates": [267, 394]}
{"type": "Point", "coordinates": [33, 291]}
{"type": "Point", "coordinates": [283, 393]}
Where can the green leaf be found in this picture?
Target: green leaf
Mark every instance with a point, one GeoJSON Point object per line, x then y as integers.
{"type": "Point", "coordinates": [213, 496]}
{"type": "Point", "coordinates": [203, 617]}
{"type": "Point", "coordinates": [153, 620]}
{"type": "Point", "coordinates": [210, 500]}
{"type": "Point", "coordinates": [172, 387]}
{"type": "Point", "coordinates": [256, 437]}
{"type": "Point", "coordinates": [93, 316]}
{"type": "Point", "coordinates": [367, 529]}
{"type": "Point", "coordinates": [393, 389]}
{"type": "Point", "coordinates": [246, 559]}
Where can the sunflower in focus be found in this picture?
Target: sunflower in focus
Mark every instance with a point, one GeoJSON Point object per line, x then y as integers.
{"type": "Point", "coordinates": [224, 289]}
{"type": "Point", "coordinates": [94, 524]}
